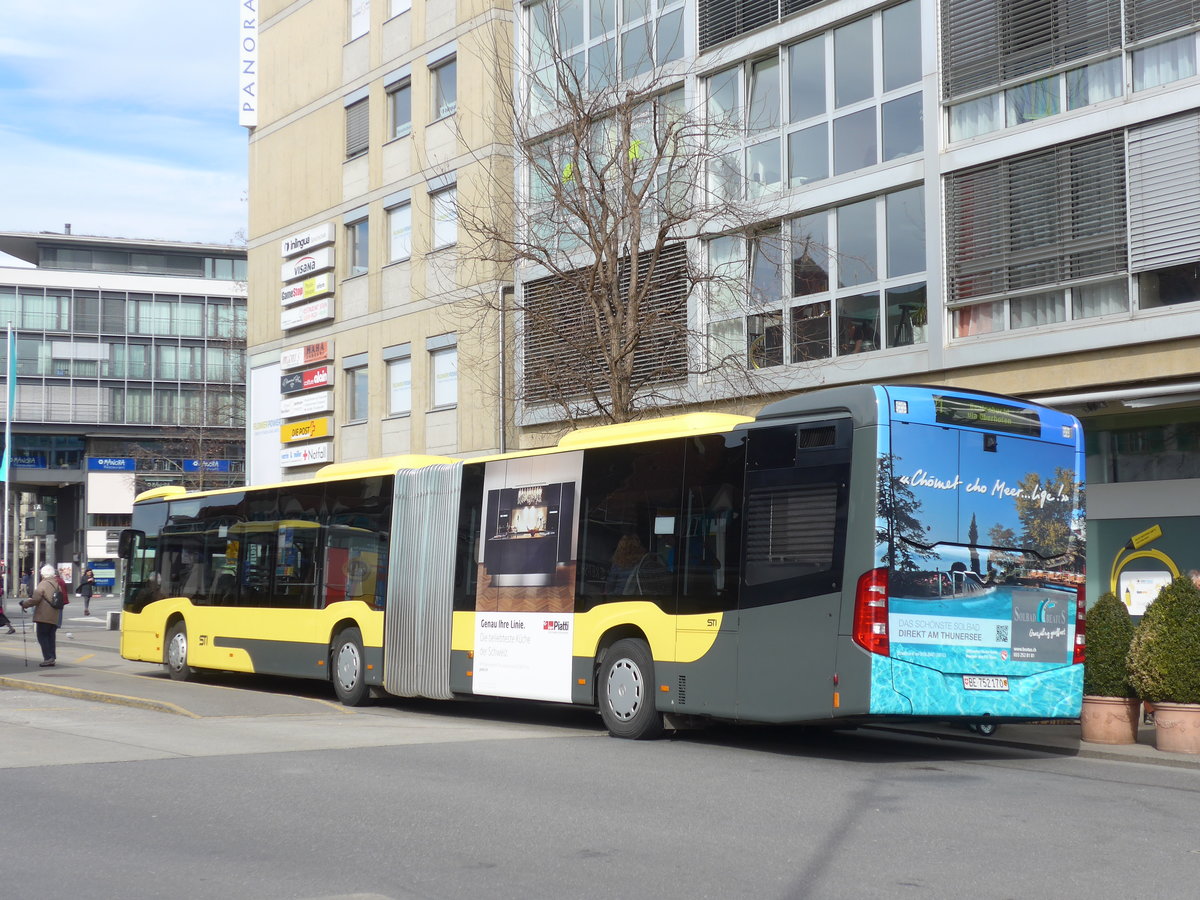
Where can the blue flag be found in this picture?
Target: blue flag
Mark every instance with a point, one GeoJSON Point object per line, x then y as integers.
{"type": "Point", "coordinates": [12, 401]}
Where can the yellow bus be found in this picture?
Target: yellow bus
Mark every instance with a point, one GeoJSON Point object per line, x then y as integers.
{"type": "Point", "coordinates": [846, 554]}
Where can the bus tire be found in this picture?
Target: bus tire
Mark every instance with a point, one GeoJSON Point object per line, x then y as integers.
{"type": "Point", "coordinates": [627, 692]}
{"type": "Point", "coordinates": [175, 652]}
{"type": "Point", "coordinates": [347, 667]}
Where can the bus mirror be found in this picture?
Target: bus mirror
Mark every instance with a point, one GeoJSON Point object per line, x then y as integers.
{"type": "Point", "coordinates": [129, 539]}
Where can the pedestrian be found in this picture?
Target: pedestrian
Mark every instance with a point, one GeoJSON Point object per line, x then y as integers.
{"type": "Point", "coordinates": [87, 587]}
{"type": "Point", "coordinates": [4, 622]}
{"type": "Point", "coordinates": [48, 600]}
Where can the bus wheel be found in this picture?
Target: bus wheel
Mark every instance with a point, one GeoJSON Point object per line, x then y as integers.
{"type": "Point", "coordinates": [349, 671]}
{"type": "Point", "coordinates": [627, 692]}
{"type": "Point", "coordinates": [987, 729]}
{"type": "Point", "coordinates": [175, 653]}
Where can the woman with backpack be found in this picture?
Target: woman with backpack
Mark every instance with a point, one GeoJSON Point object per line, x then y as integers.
{"type": "Point", "coordinates": [47, 601]}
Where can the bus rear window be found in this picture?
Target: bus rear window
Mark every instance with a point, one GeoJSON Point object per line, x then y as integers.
{"type": "Point", "coordinates": [974, 413]}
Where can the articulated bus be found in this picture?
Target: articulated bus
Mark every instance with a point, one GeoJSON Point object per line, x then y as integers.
{"type": "Point", "coordinates": [851, 554]}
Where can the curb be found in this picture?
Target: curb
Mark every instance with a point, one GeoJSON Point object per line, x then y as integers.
{"type": "Point", "coordinates": [97, 696]}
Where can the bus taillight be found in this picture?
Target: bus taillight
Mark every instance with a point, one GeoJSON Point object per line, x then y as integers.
{"type": "Point", "coordinates": [871, 612]}
{"type": "Point", "coordinates": [1080, 625]}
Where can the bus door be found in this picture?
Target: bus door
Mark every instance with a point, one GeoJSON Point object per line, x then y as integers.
{"type": "Point", "coordinates": [708, 560]}
{"type": "Point", "coordinates": [985, 570]}
{"type": "Point", "coordinates": [796, 509]}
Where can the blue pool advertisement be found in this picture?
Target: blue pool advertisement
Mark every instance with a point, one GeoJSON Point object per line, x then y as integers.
{"type": "Point", "coordinates": [983, 535]}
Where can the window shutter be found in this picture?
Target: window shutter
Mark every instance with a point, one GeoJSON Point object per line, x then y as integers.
{"type": "Point", "coordinates": [985, 42]}
{"type": "Point", "coordinates": [722, 20]}
{"type": "Point", "coordinates": [561, 338]}
{"type": "Point", "coordinates": [356, 128]}
{"type": "Point", "coordinates": [1164, 193]}
{"type": "Point", "coordinates": [1037, 219]}
{"type": "Point", "coordinates": [1147, 18]}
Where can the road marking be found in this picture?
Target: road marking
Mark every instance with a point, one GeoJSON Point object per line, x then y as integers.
{"type": "Point", "coordinates": [82, 658]}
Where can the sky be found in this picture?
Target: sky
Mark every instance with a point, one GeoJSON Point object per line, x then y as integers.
{"type": "Point", "coordinates": [120, 117]}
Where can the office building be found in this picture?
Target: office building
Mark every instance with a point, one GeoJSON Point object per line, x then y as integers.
{"type": "Point", "coordinates": [130, 374]}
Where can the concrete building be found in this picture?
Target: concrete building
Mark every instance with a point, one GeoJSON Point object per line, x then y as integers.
{"type": "Point", "coordinates": [130, 374]}
{"type": "Point", "coordinates": [378, 138]}
{"type": "Point", "coordinates": [983, 193]}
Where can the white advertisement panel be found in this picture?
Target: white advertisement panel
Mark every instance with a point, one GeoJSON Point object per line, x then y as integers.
{"type": "Point", "coordinates": [306, 240]}
{"type": "Point", "coordinates": [110, 492]}
{"type": "Point", "coordinates": [306, 404]}
{"type": "Point", "coordinates": [262, 425]}
{"type": "Point", "coordinates": [523, 655]}
{"type": "Point", "coordinates": [306, 455]}
{"type": "Point", "coordinates": [1138, 589]}
{"type": "Point", "coordinates": [299, 316]}
{"type": "Point", "coordinates": [307, 265]}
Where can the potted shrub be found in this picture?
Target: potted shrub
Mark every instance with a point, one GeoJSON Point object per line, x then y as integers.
{"type": "Point", "coordinates": [1110, 704]}
{"type": "Point", "coordinates": [1164, 665]}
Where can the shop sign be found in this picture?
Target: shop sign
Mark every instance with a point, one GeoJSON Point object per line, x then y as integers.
{"type": "Point", "coordinates": [300, 316]}
{"type": "Point", "coordinates": [306, 404]}
{"type": "Point", "coordinates": [306, 240]}
{"type": "Point", "coordinates": [317, 351]}
{"type": "Point", "coordinates": [307, 289]}
{"type": "Point", "coordinates": [306, 455]}
{"type": "Point", "coordinates": [307, 265]}
{"type": "Point", "coordinates": [290, 432]}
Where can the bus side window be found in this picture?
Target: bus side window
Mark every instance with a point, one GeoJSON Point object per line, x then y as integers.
{"type": "Point", "coordinates": [630, 523]}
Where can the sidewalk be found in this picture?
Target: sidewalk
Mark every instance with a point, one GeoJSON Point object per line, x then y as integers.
{"type": "Point", "coordinates": [89, 667]}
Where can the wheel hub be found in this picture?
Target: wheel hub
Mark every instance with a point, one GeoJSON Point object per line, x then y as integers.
{"type": "Point", "coordinates": [624, 689]}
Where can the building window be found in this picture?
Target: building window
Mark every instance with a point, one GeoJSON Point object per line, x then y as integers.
{"type": "Point", "coordinates": [358, 240]}
{"type": "Point", "coordinates": [820, 107]}
{"type": "Point", "coordinates": [857, 284]}
{"type": "Point", "coordinates": [601, 40]}
{"type": "Point", "coordinates": [400, 104]}
{"type": "Point", "coordinates": [1033, 236]}
{"type": "Point", "coordinates": [357, 134]}
{"type": "Point", "coordinates": [443, 375]}
{"type": "Point", "coordinates": [399, 371]}
{"type": "Point", "coordinates": [444, 76]}
{"type": "Point", "coordinates": [357, 395]}
{"type": "Point", "coordinates": [400, 232]}
{"type": "Point", "coordinates": [444, 204]}
{"type": "Point", "coordinates": [400, 6]}
{"type": "Point", "coordinates": [360, 17]}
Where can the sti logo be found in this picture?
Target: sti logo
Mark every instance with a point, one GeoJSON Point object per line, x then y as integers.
{"type": "Point", "coordinates": [556, 626]}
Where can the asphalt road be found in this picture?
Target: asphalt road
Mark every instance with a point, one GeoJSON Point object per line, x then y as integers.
{"type": "Point", "coordinates": [302, 799]}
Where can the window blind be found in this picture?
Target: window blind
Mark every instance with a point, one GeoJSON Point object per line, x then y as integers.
{"type": "Point", "coordinates": [1038, 219]}
{"type": "Point", "coordinates": [1164, 193]}
{"type": "Point", "coordinates": [985, 42]}
{"type": "Point", "coordinates": [356, 128]}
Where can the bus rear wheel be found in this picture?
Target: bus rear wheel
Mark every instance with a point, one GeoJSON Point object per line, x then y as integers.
{"type": "Point", "coordinates": [175, 652]}
{"type": "Point", "coordinates": [627, 692]}
{"type": "Point", "coordinates": [348, 667]}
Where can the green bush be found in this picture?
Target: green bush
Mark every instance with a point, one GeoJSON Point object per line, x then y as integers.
{"type": "Point", "coordinates": [1109, 632]}
{"type": "Point", "coordinates": [1164, 657]}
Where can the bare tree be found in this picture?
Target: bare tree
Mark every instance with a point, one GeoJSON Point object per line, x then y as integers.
{"type": "Point", "coordinates": [617, 176]}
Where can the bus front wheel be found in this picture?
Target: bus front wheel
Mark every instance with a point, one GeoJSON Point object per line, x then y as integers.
{"type": "Point", "coordinates": [349, 669]}
{"type": "Point", "coordinates": [627, 691]}
{"type": "Point", "coordinates": [175, 652]}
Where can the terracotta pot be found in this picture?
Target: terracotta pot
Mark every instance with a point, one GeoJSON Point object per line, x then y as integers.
{"type": "Point", "coordinates": [1177, 727]}
{"type": "Point", "coordinates": [1109, 720]}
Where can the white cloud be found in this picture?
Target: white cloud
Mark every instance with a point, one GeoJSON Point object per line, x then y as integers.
{"type": "Point", "coordinates": [120, 117]}
{"type": "Point", "coordinates": [114, 196]}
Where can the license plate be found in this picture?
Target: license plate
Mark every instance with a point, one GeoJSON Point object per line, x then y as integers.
{"type": "Point", "coordinates": [985, 682]}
